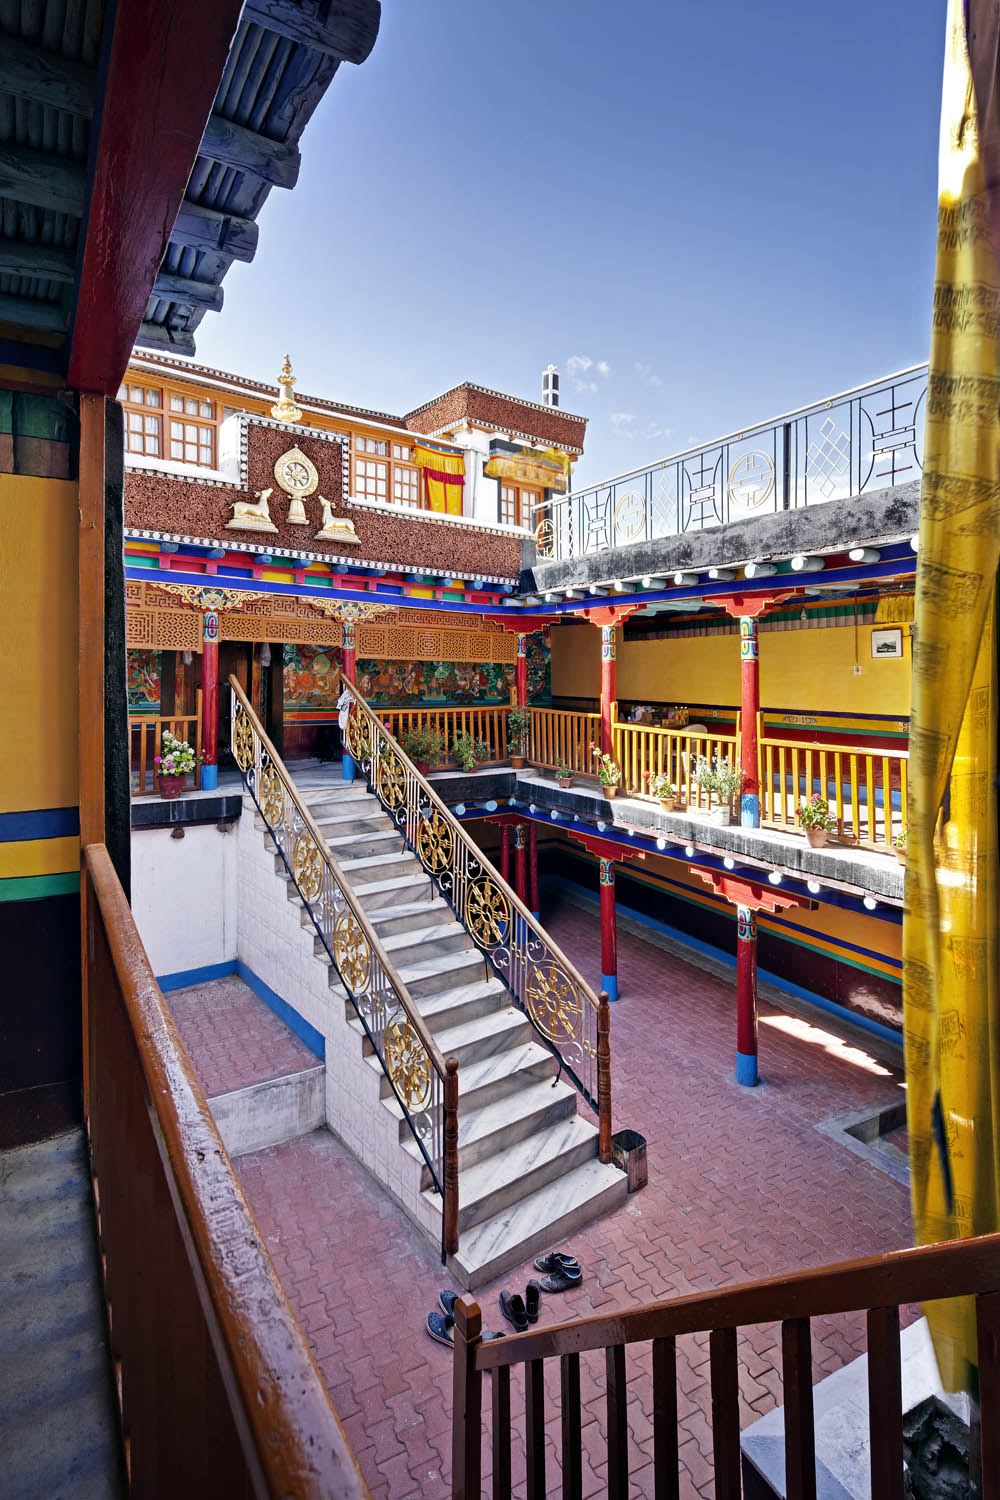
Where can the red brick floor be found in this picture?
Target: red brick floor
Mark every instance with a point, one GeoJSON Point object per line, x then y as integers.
{"type": "Point", "coordinates": [741, 1185]}
{"type": "Point", "coordinates": [232, 1038]}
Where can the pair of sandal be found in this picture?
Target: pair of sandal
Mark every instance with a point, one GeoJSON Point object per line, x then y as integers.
{"type": "Point", "coordinates": [562, 1272]}
{"type": "Point", "coordinates": [441, 1325]}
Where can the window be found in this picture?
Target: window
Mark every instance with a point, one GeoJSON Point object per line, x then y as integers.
{"type": "Point", "coordinates": [516, 505]}
{"type": "Point", "coordinates": [371, 479]}
{"type": "Point", "coordinates": [142, 424]}
{"type": "Point", "coordinates": [405, 485]}
{"type": "Point", "coordinates": [371, 445]}
{"type": "Point", "coordinates": [378, 478]}
{"type": "Point", "coordinates": [192, 431]}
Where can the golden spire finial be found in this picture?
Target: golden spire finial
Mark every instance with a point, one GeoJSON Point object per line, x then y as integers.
{"type": "Point", "coordinates": [285, 409]}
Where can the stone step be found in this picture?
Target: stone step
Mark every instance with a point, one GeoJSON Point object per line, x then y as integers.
{"type": "Point", "coordinates": [387, 865]}
{"type": "Point", "coordinates": [364, 819]}
{"type": "Point", "coordinates": [472, 1041]}
{"type": "Point", "coordinates": [408, 888]}
{"type": "Point", "coordinates": [547, 1216]}
{"type": "Point", "coordinates": [441, 972]}
{"type": "Point", "coordinates": [483, 1080]}
{"type": "Point", "coordinates": [366, 842]}
{"type": "Point", "coordinates": [485, 1131]}
{"type": "Point", "coordinates": [268, 1113]}
{"type": "Point", "coordinates": [396, 916]}
{"type": "Point", "coordinates": [470, 1002]}
{"type": "Point", "coordinates": [421, 944]}
{"type": "Point", "coordinates": [546, 1157]}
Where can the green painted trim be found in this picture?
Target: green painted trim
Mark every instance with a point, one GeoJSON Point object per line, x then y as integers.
{"type": "Point", "coordinates": [37, 887]}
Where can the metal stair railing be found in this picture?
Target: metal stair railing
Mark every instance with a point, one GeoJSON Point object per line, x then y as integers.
{"type": "Point", "coordinates": [573, 1022]}
{"type": "Point", "coordinates": [424, 1083]}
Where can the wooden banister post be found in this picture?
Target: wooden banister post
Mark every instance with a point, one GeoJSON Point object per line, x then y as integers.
{"type": "Point", "coordinates": [451, 1156]}
{"type": "Point", "coordinates": [467, 1404]}
{"type": "Point", "coordinates": [604, 1077]}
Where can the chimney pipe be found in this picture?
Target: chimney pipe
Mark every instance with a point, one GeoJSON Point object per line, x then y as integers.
{"type": "Point", "coordinates": [550, 386]}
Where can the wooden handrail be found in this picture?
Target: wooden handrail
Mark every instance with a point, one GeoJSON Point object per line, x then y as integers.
{"type": "Point", "coordinates": [956, 1268]}
{"type": "Point", "coordinates": [291, 1439]}
{"type": "Point", "coordinates": [333, 864]}
{"type": "Point", "coordinates": [832, 746]}
{"type": "Point", "coordinates": [516, 903]}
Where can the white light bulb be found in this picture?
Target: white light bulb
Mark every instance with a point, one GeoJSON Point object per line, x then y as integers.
{"type": "Point", "coordinates": [870, 903]}
{"type": "Point", "coordinates": [729, 863]}
{"type": "Point", "coordinates": [689, 851]}
{"type": "Point", "coordinates": [814, 886]}
{"type": "Point", "coordinates": [775, 877]}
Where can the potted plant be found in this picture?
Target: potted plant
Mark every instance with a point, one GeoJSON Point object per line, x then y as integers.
{"type": "Point", "coordinates": [564, 774]}
{"type": "Point", "coordinates": [424, 747]}
{"type": "Point", "coordinates": [518, 730]}
{"type": "Point", "coordinates": [663, 789]}
{"type": "Point", "coordinates": [721, 779]}
{"type": "Point", "coordinates": [174, 764]}
{"type": "Point", "coordinates": [609, 772]}
{"type": "Point", "coordinates": [899, 844]}
{"type": "Point", "coordinates": [468, 751]}
{"type": "Point", "coordinates": [817, 819]}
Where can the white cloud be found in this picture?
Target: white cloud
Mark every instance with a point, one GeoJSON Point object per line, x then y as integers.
{"type": "Point", "coordinates": [647, 374]}
{"type": "Point", "coordinates": [603, 368]}
{"type": "Point", "coordinates": [621, 420]}
{"type": "Point", "coordinates": [589, 387]}
{"type": "Point", "coordinates": [577, 363]}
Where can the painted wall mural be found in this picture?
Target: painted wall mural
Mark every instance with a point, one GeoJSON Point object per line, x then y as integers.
{"type": "Point", "coordinates": [143, 676]}
{"type": "Point", "coordinates": [402, 684]}
{"type": "Point", "coordinates": [310, 677]}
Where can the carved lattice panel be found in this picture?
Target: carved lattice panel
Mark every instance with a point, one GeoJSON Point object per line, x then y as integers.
{"type": "Point", "coordinates": [403, 643]}
{"type": "Point", "coordinates": [163, 629]}
{"type": "Point", "coordinates": [309, 632]}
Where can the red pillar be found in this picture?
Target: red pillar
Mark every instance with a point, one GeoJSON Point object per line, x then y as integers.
{"type": "Point", "coordinates": [521, 670]}
{"type": "Point", "coordinates": [608, 688]}
{"type": "Point", "coordinates": [749, 710]}
{"type": "Point", "coordinates": [505, 851]}
{"type": "Point", "coordinates": [609, 934]}
{"type": "Point", "coordinates": [210, 702]}
{"type": "Point", "coordinates": [349, 667]}
{"type": "Point", "coordinates": [746, 996]}
{"type": "Point", "coordinates": [521, 863]}
{"type": "Point", "coordinates": [533, 906]}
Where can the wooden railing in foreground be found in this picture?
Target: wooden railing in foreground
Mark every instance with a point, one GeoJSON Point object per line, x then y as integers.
{"type": "Point", "coordinates": [878, 1286]}
{"type": "Point", "coordinates": [487, 726]}
{"type": "Point", "coordinates": [866, 789]}
{"type": "Point", "coordinates": [561, 737]}
{"type": "Point", "coordinates": [145, 734]}
{"type": "Point", "coordinates": [219, 1394]}
{"type": "Point", "coordinates": [424, 1083]}
{"type": "Point", "coordinates": [644, 751]}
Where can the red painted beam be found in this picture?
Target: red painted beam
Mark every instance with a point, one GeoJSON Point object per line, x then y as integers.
{"type": "Point", "coordinates": [749, 893]}
{"type": "Point", "coordinates": [604, 848]}
{"type": "Point", "coordinates": [750, 605]}
{"type": "Point", "coordinates": [164, 69]}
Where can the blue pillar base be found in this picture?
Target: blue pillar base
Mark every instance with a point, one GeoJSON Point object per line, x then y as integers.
{"type": "Point", "coordinates": [746, 1069]}
{"type": "Point", "coordinates": [750, 810]}
{"type": "Point", "coordinates": [609, 982]}
{"type": "Point", "coordinates": [209, 778]}
{"type": "Point", "coordinates": [347, 767]}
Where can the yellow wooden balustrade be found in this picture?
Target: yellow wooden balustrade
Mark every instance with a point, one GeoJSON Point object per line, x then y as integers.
{"type": "Point", "coordinates": [866, 789]}
{"type": "Point", "coordinates": [562, 738]}
{"type": "Point", "coordinates": [646, 750]}
{"type": "Point", "coordinates": [485, 724]}
{"type": "Point", "coordinates": [145, 735]}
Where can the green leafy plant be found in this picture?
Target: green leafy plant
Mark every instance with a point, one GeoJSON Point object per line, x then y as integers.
{"type": "Point", "coordinates": [468, 751]}
{"type": "Point", "coordinates": [719, 776]}
{"type": "Point", "coordinates": [662, 788]}
{"type": "Point", "coordinates": [609, 772]}
{"type": "Point", "coordinates": [899, 842]}
{"type": "Point", "coordinates": [816, 814]}
{"type": "Point", "coordinates": [563, 771]}
{"type": "Point", "coordinates": [177, 758]}
{"type": "Point", "coordinates": [518, 730]}
{"type": "Point", "coordinates": [425, 746]}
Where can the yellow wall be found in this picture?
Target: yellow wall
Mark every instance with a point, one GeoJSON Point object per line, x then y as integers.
{"type": "Point", "coordinates": [39, 523]}
{"type": "Point", "coordinates": [800, 670]}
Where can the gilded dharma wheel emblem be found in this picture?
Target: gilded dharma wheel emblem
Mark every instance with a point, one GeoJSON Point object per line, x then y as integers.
{"type": "Point", "coordinates": [553, 1001]}
{"type": "Point", "coordinates": [350, 949]}
{"type": "Point", "coordinates": [435, 843]}
{"type": "Point", "coordinates": [271, 795]}
{"type": "Point", "coordinates": [391, 782]}
{"type": "Point", "coordinates": [307, 867]}
{"type": "Point", "coordinates": [298, 477]}
{"type": "Point", "coordinates": [359, 740]}
{"type": "Point", "coordinates": [487, 913]}
{"type": "Point", "coordinates": [408, 1064]}
{"type": "Point", "coordinates": [242, 740]}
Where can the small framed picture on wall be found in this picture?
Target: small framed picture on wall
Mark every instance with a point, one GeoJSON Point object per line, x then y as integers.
{"type": "Point", "coordinates": [887, 642]}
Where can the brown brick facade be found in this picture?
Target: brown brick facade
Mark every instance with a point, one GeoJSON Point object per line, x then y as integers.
{"type": "Point", "coordinates": [505, 413]}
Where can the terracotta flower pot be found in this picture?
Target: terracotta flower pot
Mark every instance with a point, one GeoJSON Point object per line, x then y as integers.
{"type": "Point", "coordinates": [609, 792]}
{"type": "Point", "coordinates": [171, 786]}
{"type": "Point", "coordinates": [817, 837]}
{"type": "Point", "coordinates": [901, 855]}
{"type": "Point", "coordinates": [517, 762]}
{"type": "Point", "coordinates": [423, 766]}
{"type": "Point", "coordinates": [565, 782]}
{"type": "Point", "coordinates": [720, 816]}
{"type": "Point", "coordinates": [667, 803]}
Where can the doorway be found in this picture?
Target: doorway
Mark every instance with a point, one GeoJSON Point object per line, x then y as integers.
{"type": "Point", "coordinates": [259, 671]}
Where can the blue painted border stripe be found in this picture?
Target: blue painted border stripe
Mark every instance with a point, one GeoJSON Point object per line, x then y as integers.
{"type": "Point", "coordinates": [45, 823]}
{"type": "Point", "coordinates": [312, 1038]}
{"type": "Point", "coordinates": [182, 978]}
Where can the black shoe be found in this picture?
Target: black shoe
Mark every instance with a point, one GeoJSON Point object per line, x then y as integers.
{"type": "Point", "coordinates": [513, 1309]}
{"type": "Point", "coordinates": [561, 1281]}
{"type": "Point", "coordinates": [555, 1261]}
{"type": "Point", "coordinates": [441, 1326]}
{"type": "Point", "coordinates": [532, 1298]}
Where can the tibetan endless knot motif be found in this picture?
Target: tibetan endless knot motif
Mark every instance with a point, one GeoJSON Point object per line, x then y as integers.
{"type": "Point", "coordinates": [391, 782]}
{"type": "Point", "coordinates": [271, 796]}
{"type": "Point", "coordinates": [307, 867]}
{"type": "Point", "coordinates": [350, 949]}
{"type": "Point", "coordinates": [553, 1001]}
{"type": "Point", "coordinates": [359, 738]}
{"type": "Point", "coordinates": [242, 740]}
{"type": "Point", "coordinates": [435, 843]}
{"type": "Point", "coordinates": [407, 1062]}
{"type": "Point", "coordinates": [487, 913]}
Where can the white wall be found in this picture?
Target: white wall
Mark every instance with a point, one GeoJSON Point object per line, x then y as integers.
{"type": "Point", "coordinates": [184, 896]}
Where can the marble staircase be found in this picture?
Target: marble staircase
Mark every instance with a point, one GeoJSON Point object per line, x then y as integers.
{"type": "Point", "coordinates": [529, 1173]}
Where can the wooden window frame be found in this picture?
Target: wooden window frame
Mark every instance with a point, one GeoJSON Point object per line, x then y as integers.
{"type": "Point", "coordinates": [167, 389]}
{"type": "Point", "coordinates": [524, 499]}
{"type": "Point", "coordinates": [396, 468]}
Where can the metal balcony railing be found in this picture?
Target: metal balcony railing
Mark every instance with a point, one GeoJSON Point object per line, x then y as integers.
{"type": "Point", "coordinates": [863, 439]}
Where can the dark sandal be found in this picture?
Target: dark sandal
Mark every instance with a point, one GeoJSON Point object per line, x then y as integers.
{"type": "Point", "coordinates": [446, 1302]}
{"type": "Point", "coordinates": [555, 1261]}
{"type": "Point", "coordinates": [513, 1309]}
{"type": "Point", "coordinates": [532, 1298]}
{"type": "Point", "coordinates": [441, 1326]}
{"type": "Point", "coordinates": [561, 1281]}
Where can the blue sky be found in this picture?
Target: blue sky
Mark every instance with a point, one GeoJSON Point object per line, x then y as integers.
{"type": "Point", "coordinates": [704, 214]}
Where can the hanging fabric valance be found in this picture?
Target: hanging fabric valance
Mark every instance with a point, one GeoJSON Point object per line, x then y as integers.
{"type": "Point", "coordinates": [548, 470]}
{"type": "Point", "coordinates": [443, 473]}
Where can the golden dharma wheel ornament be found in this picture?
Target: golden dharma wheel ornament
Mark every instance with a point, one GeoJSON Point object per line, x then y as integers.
{"type": "Point", "coordinates": [407, 1063]}
{"type": "Point", "coordinates": [351, 952]}
{"type": "Point", "coordinates": [307, 867]}
{"type": "Point", "coordinates": [298, 476]}
{"type": "Point", "coordinates": [271, 795]}
{"type": "Point", "coordinates": [435, 843]}
{"type": "Point", "coordinates": [285, 409]}
{"type": "Point", "coordinates": [242, 740]}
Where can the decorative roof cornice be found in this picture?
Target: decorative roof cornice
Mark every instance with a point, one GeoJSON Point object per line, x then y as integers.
{"type": "Point", "coordinates": [485, 390]}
